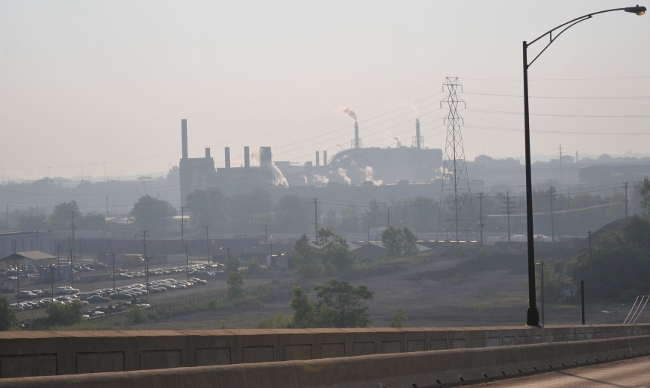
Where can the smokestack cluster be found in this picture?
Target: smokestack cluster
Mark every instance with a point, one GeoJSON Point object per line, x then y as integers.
{"type": "Point", "coordinates": [317, 159]}
{"type": "Point", "coordinates": [184, 134]}
{"type": "Point", "coordinates": [325, 158]}
{"type": "Point", "coordinates": [247, 157]}
{"type": "Point", "coordinates": [227, 157]}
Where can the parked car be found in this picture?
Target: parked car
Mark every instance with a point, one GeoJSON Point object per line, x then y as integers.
{"type": "Point", "coordinates": [98, 299]}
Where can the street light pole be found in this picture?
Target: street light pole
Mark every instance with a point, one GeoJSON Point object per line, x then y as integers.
{"type": "Point", "coordinates": [533, 314]}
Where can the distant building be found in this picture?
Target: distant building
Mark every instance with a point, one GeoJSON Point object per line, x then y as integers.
{"type": "Point", "coordinates": [26, 241]}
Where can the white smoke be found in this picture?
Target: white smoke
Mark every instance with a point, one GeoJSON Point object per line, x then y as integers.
{"type": "Point", "coordinates": [278, 178]}
{"type": "Point", "coordinates": [344, 175]}
{"type": "Point", "coordinates": [367, 174]}
{"type": "Point", "coordinates": [348, 112]}
{"type": "Point", "coordinates": [255, 156]}
{"type": "Point", "coordinates": [321, 179]}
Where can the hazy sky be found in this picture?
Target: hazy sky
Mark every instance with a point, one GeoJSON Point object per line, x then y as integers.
{"type": "Point", "coordinates": [88, 82]}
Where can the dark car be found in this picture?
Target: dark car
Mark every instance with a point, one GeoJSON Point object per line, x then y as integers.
{"type": "Point", "coordinates": [98, 299]}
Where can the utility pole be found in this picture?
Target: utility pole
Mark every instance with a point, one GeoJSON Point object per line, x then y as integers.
{"type": "Point", "coordinates": [568, 211]}
{"type": "Point", "coordinates": [388, 212]}
{"type": "Point", "coordinates": [182, 227]}
{"type": "Point", "coordinates": [72, 249]}
{"type": "Point", "coordinates": [266, 240]}
{"type": "Point", "coordinates": [480, 206]}
{"type": "Point", "coordinates": [591, 271]}
{"type": "Point", "coordinates": [18, 274]}
{"type": "Point", "coordinates": [561, 172]}
{"type": "Point", "coordinates": [207, 240]}
{"type": "Point", "coordinates": [187, 263]}
{"type": "Point", "coordinates": [58, 263]}
{"type": "Point", "coordinates": [625, 187]}
{"type": "Point", "coordinates": [113, 272]}
{"type": "Point", "coordinates": [552, 194]}
{"type": "Point", "coordinates": [315, 202]}
{"type": "Point", "coordinates": [508, 210]}
{"type": "Point", "coordinates": [146, 261]}
{"type": "Point", "coordinates": [106, 205]}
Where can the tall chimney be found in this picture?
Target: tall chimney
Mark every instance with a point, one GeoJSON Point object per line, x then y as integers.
{"type": "Point", "coordinates": [227, 157]}
{"type": "Point", "coordinates": [418, 139]}
{"type": "Point", "coordinates": [247, 157]}
{"type": "Point", "coordinates": [325, 158]}
{"type": "Point", "coordinates": [184, 130]}
{"type": "Point", "coordinates": [317, 159]}
{"type": "Point", "coordinates": [356, 135]}
{"type": "Point", "coordinates": [207, 152]}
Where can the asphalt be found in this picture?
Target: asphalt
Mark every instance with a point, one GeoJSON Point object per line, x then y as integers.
{"type": "Point", "coordinates": [625, 374]}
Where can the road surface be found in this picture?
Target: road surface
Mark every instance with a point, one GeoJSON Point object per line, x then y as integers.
{"type": "Point", "coordinates": [630, 373]}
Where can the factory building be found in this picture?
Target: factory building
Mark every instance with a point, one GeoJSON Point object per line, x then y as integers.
{"type": "Point", "coordinates": [405, 171]}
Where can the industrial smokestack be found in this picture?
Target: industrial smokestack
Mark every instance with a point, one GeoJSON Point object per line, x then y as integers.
{"type": "Point", "coordinates": [317, 159]}
{"type": "Point", "coordinates": [184, 134]}
{"type": "Point", "coordinates": [247, 157]}
{"type": "Point", "coordinates": [418, 139]}
{"type": "Point", "coordinates": [356, 135]}
{"type": "Point", "coordinates": [227, 157]}
{"type": "Point", "coordinates": [325, 158]}
{"type": "Point", "coordinates": [266, 156]}
{"type": "Point", "coordinates": [207, 153]}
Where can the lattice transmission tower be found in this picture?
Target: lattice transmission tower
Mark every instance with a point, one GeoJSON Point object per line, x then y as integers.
{"type": "Point", "coordinates": [456, 220]}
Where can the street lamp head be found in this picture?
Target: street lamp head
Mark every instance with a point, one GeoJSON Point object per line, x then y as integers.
{"type": "Point", "coordinates": [636, 10]}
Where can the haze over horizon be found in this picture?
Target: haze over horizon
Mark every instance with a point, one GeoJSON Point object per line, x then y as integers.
{"type": "Point", "coordinates": [105, 85]}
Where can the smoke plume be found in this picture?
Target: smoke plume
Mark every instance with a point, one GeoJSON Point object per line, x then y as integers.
{"type": "Point", "coordinates": [344, 175]}
{"type": "Point", "coordinates": [367, 174]}
{"type": "Point", "coordinates": [278, 178]}
{"type": "Point", "coordinates": [349, 112]}
{"type": "Point", "coordinates": [321, 179]}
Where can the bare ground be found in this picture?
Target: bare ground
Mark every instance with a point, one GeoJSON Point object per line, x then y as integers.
{"type": "Point", "coordinates": [441, 292]}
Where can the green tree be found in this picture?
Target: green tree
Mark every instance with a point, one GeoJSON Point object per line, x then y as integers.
{"type": "Point", "coordinates": [399, 319]}
{"type": "Point", "coordinates": [207, 207]}
{"type": "Point", "coordinates": [375, 215]}
{"type": "Point", "coordinates": [399, 242]}
{"type": "Point", "coordinates": [304, 311]}
{"type": "Point", "coordinates": [235, 284]}
{"type": "Point", "coordinates": [33, 222]}
{"type": "Point", "coordinates": [392, 238]}
{"type": "Point", "coordinates": [91, 221]}
{"type": "Point", "coordinates": [619, 262]}
{"type": "Point", "coordinates": [305, 258]}
{"type": "Point", "coordinates": [153, 215]}
{"type": "Point", "coordinates": [232, 263]}
{"type": "Point", "coordinates": [253, 266]}
{"type": "Point", "coordinates": [334, 250]}
{"type": "Point", "coordinates": [293, 214]}
{"type": "Point", "coordinates": [61, 216]}
{"type": "Point", "coordinates": [409, 243]}
{"type": "Point", "coordinates": [643, 189]}
{"type": "Point", "coordinates": [8, 319]}
{"type": "Point", "coordinates": [342, 305]}
{"type": "Point", "coordinates": [350, 218]}
{"type": "Point", "coordinates": [135, 315]}
{"type": "Point", "coordinates": [552, 288]}
{"type": "Point", "coordinates": [59, 314]}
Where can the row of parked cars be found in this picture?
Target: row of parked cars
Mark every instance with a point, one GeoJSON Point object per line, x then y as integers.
{"type": "Point", "coordinates": [164, 285]}
{"type": "Point", "coordinates": [44, 302]}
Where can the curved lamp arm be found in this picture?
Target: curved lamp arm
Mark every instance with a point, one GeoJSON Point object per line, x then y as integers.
{"type": "Point", "coordinates": [565, 26]}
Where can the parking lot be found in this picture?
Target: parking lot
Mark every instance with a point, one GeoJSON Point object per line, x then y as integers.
{"type": "Point", "coordinates": [164, 284]}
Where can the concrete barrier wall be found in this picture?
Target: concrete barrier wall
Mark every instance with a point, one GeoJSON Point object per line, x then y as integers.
{"type": "Point", "coordinates": [24, 354]}
{"type": "Point", "coordinates": [416, 369]}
